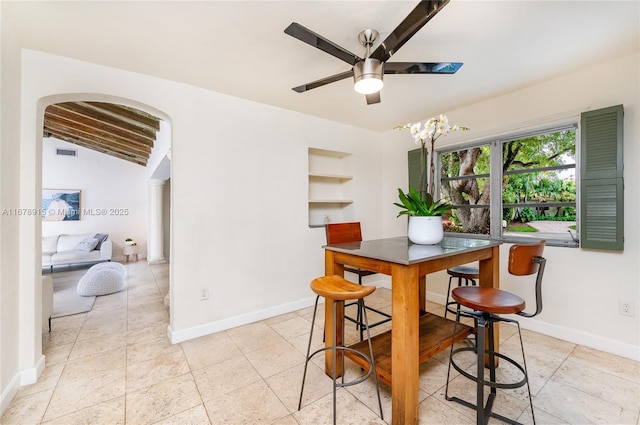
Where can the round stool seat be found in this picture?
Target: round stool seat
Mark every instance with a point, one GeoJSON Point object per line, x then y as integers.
{"type": "Point", "coordinates": [465, 272]}
{"type": "Point", "coordinates": [101, 282]}
{"type": "Point", "coordinates": [337, 288]}
{"type": "Point", "coordinates": [488, 300]}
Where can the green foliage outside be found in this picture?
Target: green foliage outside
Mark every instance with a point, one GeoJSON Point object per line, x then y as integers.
{"type": "Point", "coordinates": [546, 150]}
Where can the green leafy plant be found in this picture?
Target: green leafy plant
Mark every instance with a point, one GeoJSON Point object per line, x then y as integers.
{"type": "Point", "coordinates": [527, 214]}
{"type": "Point", "coordinates": [412, 205]}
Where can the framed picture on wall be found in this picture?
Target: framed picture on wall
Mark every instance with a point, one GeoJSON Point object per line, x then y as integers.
{"type": "Point", "coordinates": [60, 205]}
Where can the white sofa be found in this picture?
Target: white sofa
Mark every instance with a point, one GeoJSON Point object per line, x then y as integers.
{"type": "Point", "coordinates": [75, 249]}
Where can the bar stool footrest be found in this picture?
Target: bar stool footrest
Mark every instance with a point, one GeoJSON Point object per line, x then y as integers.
{"type": "Point", "coordinates": [357, 353]}
{"type": "Point", "coordinates": [488, 413]}
{"type": "Point", "coordinates": [492, 384]}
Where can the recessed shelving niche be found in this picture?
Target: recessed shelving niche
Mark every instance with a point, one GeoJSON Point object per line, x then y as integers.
{"type": "Point", "coordinates": [330, 186]}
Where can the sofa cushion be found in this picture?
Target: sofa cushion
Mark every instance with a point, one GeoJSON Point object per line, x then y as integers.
{"type": "Point", "coordinates": [88, 244]}
{"type": "Point", "coordinates": [49, 244]}
{"type": "Point", "coordinates": [74, 257]}
{"type": "Point", "coordinates": [101, 237]}
{"type": "Point", "coordinates": [69, 242]}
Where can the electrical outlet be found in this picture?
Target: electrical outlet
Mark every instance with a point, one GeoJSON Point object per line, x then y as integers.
{"type": "Point", "coordinates": [204, 294]}
{"type": "Point", "coordinates": [626, 308]}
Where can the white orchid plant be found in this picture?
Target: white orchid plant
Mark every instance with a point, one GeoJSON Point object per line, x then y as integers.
{"type": "Point", "coordinates": [423, 203]}
{"type": "Point", "coordinates": [429, 132]}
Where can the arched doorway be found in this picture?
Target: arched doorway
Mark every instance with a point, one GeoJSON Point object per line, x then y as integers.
{"type": "Point", "coordinates": [66, 109]}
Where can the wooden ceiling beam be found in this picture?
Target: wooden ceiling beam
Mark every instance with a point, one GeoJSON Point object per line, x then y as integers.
{"type": "Point", "coordinates": [88, 139]}
{"type": "Point", "coordinates": [54, 131]}
{"type": "Point", "coordinates": [106, 122]}
{"type": "Point", "coordinates": [56, 121]}
{"type": "Point", "coordinates": [116, 130]}
{"type": "Point", "coordinates": [130, 115]}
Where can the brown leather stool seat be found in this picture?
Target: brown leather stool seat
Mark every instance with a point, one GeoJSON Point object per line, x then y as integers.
{"type": "Point", "coordinates": [336, 289]}
{"type": "Point", "coordinates": [486, 305]}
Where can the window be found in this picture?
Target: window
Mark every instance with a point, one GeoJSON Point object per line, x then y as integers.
{"type": "Point", "coordinates": [533, 176]}
{"type": "Point", "coordinates": [529, 186]}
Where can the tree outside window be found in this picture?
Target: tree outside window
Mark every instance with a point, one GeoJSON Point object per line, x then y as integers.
{"type": "Point", "coordinates": [536, 178]}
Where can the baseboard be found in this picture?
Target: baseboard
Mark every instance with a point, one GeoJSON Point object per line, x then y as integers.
{"type": "Point", "coordinates": [232, 322]}
{"type": "Point", "coordinates": [586, 339]}
{"type": "Point", "coordinates": [9, 393]}
{"type": "Point", "coordinates": [574, 336]}
{"type": "Point", "coordinates": [566, 334]}
{"type": "Point", "coordinates": [25, 377]}
{"type": "Point", "coordinates": [31, 375]}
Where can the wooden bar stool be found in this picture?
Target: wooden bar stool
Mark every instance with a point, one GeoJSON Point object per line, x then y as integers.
{"type": "Point", "coordinates": [487, 304]}
{"type": "Point", "coordinates": [335, 289]}
{"type": "Point", "coordinates": [469, 274]}
{"type": "Point", "coordinates": [346, 233]}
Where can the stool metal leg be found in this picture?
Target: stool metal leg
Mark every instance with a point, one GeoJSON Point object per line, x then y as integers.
{"type": "Point", "coordinates": [306, 363]}
{"type": "Point", "coordinates": [342, 348]}
{"type": "Point", "coordinates": [526, 374]}
{"type": "Point", "coordinates": [480, 372]}
{"type": "Point", "coordinates": [485, 321]}
{"type": "Point", "coordinates": [446, 302]}
{"type": "Point", "coordinates": [372, 362]}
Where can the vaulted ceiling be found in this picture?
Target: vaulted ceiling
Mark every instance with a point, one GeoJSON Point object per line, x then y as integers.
{"type": "Point", "coordinates": [117, 130]}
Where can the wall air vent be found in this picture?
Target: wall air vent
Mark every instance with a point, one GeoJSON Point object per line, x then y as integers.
{"type": "Point", "coordinates": [66, 152]}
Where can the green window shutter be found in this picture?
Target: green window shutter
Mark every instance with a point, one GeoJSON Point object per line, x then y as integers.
{"type": "Point", "coordinates": [601, 181]}
{"type": "Point", "coordinates": [414, 169]}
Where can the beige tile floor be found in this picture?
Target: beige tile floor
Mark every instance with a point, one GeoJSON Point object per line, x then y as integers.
{"type": "Point", "coordinates": [115, 365]}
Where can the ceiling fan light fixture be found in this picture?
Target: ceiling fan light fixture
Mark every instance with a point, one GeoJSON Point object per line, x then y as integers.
{"type": "Point", "coordinates": [367, 75]}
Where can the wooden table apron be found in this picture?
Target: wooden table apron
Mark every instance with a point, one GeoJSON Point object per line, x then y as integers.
{"type": "Point", "coordinates": [407, 300]}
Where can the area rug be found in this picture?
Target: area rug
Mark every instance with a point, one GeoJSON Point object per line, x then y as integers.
{"type": "Point", "coordinates": [66, 300]}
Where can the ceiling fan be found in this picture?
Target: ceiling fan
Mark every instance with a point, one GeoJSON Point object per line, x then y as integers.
{"type": "Point", "coordinates": [367, 72]}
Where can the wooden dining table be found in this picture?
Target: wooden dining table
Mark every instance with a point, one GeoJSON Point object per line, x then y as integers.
{"type": "Point", "coordinates": [415, 334]}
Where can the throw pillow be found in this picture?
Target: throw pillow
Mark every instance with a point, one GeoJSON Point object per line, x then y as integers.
{"type": "Point", "coordinates": [88, 245]}
{"type": "Point", "coordinates": [101, 237]}
{"type": "Point", "coordinates": [50, 243]}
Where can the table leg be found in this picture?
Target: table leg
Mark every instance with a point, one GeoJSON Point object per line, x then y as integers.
{"type": "Point", "coordinates": [422, 288]}
{"type": "Point", "coordinates": [331, 268]}
{"type": "Point", "coordinates": [405, 344]}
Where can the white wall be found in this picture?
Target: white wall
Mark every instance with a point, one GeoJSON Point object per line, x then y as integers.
{"type": "Point", "coordinates": [239, 198]}
{"type": "Point", "coordinates": [9, 224]}
{"type": "Point", "coordinates": [112, 189]}
{"type": "Point", "coordinates": [581, 287]}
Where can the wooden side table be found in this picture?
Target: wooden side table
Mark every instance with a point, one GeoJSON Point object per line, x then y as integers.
{"type": "Point", "coordinates": [130, 251]}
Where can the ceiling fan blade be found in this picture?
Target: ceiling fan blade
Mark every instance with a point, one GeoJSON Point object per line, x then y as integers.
{"type": "Point", "coordinates": [307, 36]}
{"type": "Point", "coordinates": [422, 67]}
{"type": "Point", "coordinates": [373, 98]}
{"type": "Point", "coordinates": [419, 16]}
{"type": "Point", "coordinates": [324, 81]}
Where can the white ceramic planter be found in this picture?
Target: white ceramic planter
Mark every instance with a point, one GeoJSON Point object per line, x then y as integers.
{"type": "Point", "coordinates": [425, 230]}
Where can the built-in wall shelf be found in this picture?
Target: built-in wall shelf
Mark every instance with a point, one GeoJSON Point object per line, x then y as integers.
{"type": "Point", "coordinates": [330, 179]}
{"type": "Point", "coordinates": [329, 176]}
{"type": "Point", "coordinates": [330, 201]}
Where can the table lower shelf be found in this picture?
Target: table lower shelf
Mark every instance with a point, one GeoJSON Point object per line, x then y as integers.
{"type": "Point", "coordinates": [435, 336]}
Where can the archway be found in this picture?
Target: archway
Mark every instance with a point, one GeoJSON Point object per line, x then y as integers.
{"type": "Point", "coordinates": [157, 156]}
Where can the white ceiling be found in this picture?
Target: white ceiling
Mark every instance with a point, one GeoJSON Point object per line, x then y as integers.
{"type": "Point", "coordinates": [239, 47]}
